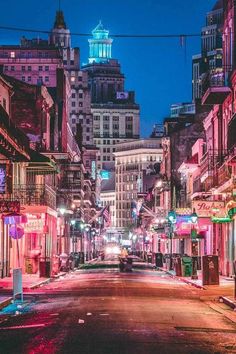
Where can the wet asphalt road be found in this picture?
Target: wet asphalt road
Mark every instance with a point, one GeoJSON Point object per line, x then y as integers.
{"type": "Point", "coordinates": [107, 312]}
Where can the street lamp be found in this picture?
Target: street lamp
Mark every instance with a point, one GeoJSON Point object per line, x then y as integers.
{"type": "Point", "coordinates": [194, 217]}
{"type": "Point", "coordinates": [172, 221]}
{"type": "Point", "coordinates": [159, 183]}
{"type": "Point", "coordinates": [62, 210]}
{"type": "Point", "coordinates": [194, 247]}
{"type": "Point", "coordinates": [72, 222]}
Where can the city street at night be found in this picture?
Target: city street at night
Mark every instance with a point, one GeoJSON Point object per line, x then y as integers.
{"type": "Point", "coordinates": [120, 313]}
{"type": "Point", "coordinates": [118, 177]}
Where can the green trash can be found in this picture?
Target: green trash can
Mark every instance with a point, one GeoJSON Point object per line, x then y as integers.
{"type": "Point", "coordinates": [186, 266]}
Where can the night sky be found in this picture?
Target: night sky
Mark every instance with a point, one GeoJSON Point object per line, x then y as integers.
{"type": "Point", "coordinates": [159, 70]}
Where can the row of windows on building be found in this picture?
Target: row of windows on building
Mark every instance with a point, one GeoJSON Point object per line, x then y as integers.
{"type": "Point", "coordinates": [139, 159]}
{"type": "Point", "coordinates": [127, 187]}
{"type": "Point", "coordinates": [109, 149]}
{"type": "Point", "coordinates": [105, 142]}
{"type": "Point", "coordinates": [106, 158]}
{"type": "Point", "coordinates": [73, 78]}
{"type": "Point", "coordinates": [126, 178]}
{"type": "Point", "coordinates": [74, 121]}
{"type": "Point", "coordinates": [27, 68]}
{"type": "Point", "coordinates": [82, 119]}
{"type": "Point", "coordinates": [80, 95]}
{"type": "Point", "coordinates": [24, 54]}
{"type": "Point", "coordinates": [114, 127]}
{"type": "Point", "coordinates": [107, 202]}
{"type": "Point", "coordinates": [40, 79]}
{"type": "Point", "coordinates": [126, 196]}
{"type": "Point", "coordinates": [73, 104]}
{"type": "Point", "coordinates": [68, 62]}
{"type": "Point", "coordinates": [106, 118]}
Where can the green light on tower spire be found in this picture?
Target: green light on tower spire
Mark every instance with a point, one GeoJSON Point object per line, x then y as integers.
{"type": "Point", "coordinates": [100, 45]}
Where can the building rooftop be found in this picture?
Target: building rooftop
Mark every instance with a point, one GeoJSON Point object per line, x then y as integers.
{"type": "Point", "coordinates": [218, 5]}
{"type": "Point", "coordinates": [59, 21]}
{"type": "Point", "coordinates": [151, 143]}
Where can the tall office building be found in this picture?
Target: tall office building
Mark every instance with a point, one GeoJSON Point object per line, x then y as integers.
{"type": "Point", "coordinates": [210, 58]}
{"type": "Point", "coordinates": [36, 61]}
{"type": "Point", "coordinates": [115, 113]}
{"type": "Point", "coordinates": [136, 165]}
{"type": "Point", "coordinates": [79, 100]}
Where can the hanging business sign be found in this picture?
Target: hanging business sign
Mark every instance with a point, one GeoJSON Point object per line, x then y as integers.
{"type": "Point", "coordinates": [105, 175]}
{"type": "Point", "coordinates": [206, 209]}
{"type": "Point", "coordinates": [35, 226]}
{"type": "Point", "coordinates": [2, 179]}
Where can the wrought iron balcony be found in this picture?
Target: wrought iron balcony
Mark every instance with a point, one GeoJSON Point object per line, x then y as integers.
{"type": "Point", "coordinates": [215, 88]}
{"type": "Point", "coordinates": [224, 174]}
{"type": "Point", "coordinates": [35, 194]}
{"type": "Point", "coordinates": [70, 184]}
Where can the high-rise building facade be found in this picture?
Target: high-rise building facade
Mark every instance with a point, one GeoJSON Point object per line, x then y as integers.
{"type": "Point", "coordinates": [36, 61]}
{"type": "Point", "coordinates": [115, 113]}
{"type": "Point", "coordinates": [134, 161]}
{"type": "Point", "coordinates": [79, 101]}
{"type": "Point", "coordinates": [211, 54]}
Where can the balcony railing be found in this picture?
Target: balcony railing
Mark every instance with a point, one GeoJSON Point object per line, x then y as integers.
{"type": "Point", "coordinates": [224, 174]}
{"type": "Point", "coordinates": [214, 87]}
{"type": "Point", "coordinates": [207, 163]}
{"type": "Point", "coordinates": [70, 185]}
{"type": "Point", "coordinates": [212, 160]}
{"type": "Point", "coordinates": [39, 194]}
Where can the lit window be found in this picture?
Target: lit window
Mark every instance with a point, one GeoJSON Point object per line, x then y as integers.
{"type": "Point", "coordinates": [12, 54]}
{"type": "Point", "coordinates": [72, 78]}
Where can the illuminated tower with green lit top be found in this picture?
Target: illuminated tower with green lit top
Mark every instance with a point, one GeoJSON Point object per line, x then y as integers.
{"type": "Point", "coordinates": [100, 45]}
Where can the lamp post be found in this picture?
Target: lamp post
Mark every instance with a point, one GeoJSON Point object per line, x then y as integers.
{"type": "Point", "coordinates": [81, 229]}
{"type": "Point", "coordinates": [172, 221]}
{"type": "Point", "coordinates": [194, 242]}
{"type": "Point", "coordinates": [72, 222]}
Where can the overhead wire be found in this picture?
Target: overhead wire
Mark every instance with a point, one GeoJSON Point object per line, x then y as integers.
{"type": "Point", "coordinates": [124, 35]}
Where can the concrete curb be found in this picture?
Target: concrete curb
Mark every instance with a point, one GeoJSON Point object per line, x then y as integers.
{"type": "Point", "coordinates": [5, 302]}
{"type": "Point", "coordinates": [47, 280]}
{"type": "Point", "coordinates": [189, 282]}
{"type": "Point", "coordinates": [228, 302]}
{"type": "Point", "coordinates": [37, 285]}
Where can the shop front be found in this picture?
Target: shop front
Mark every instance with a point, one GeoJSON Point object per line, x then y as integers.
{"type": "Point", "coordinates": [38, 246]}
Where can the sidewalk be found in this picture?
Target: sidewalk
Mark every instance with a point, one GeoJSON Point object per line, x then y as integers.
{"type": "Point", "coordinates": [223, 292]}
{"type": "Point", "coordinates": [30, 281]}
